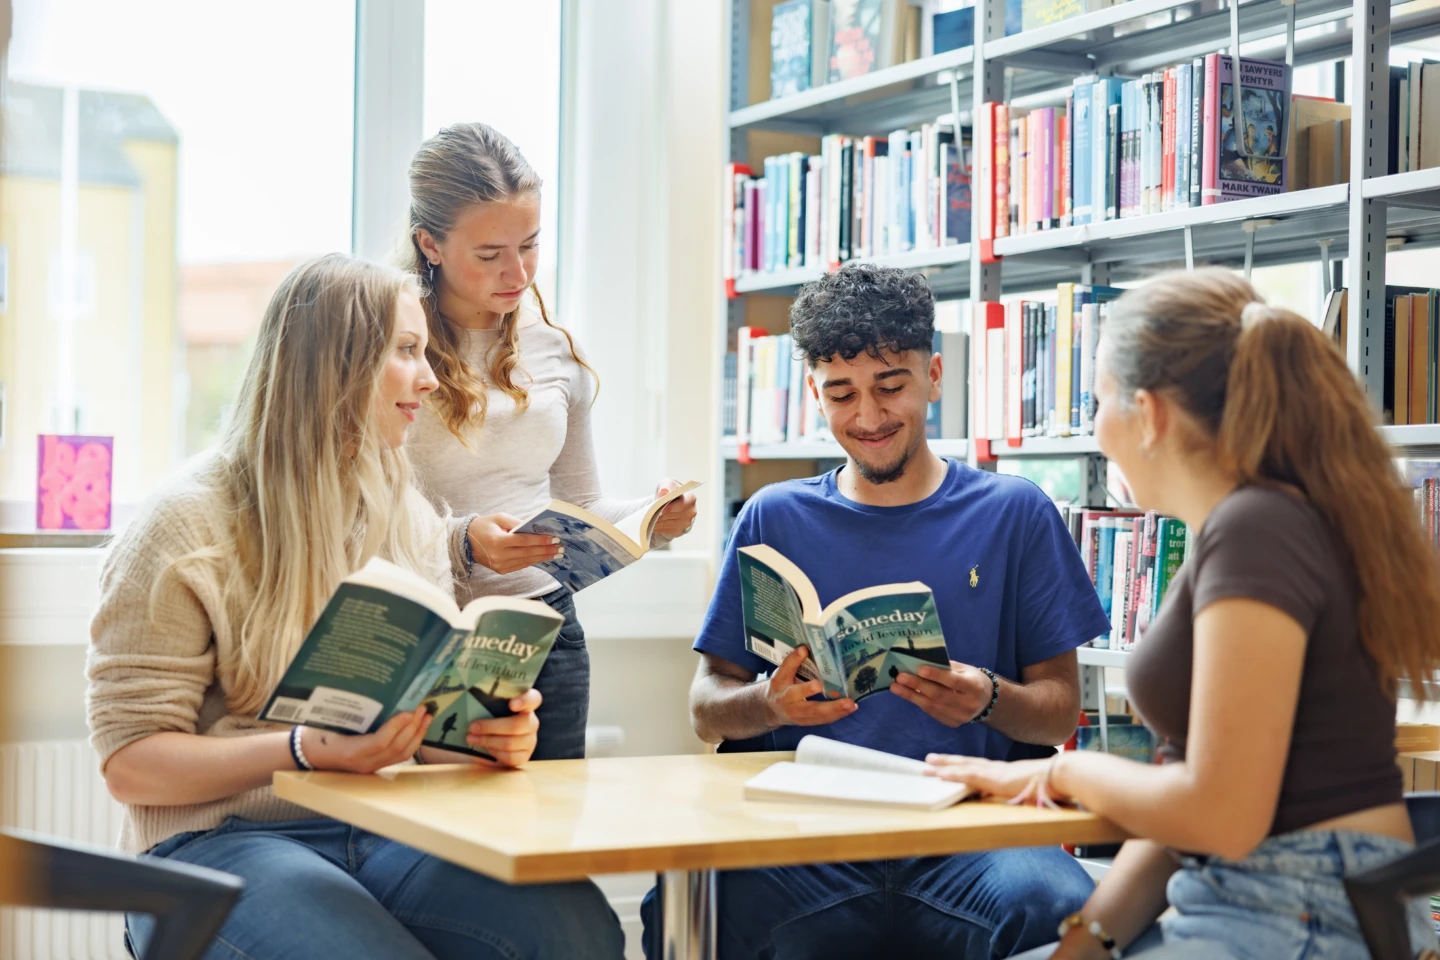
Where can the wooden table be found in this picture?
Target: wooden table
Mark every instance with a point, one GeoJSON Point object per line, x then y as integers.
{"type": "Point", "coordinates": [682, 817]}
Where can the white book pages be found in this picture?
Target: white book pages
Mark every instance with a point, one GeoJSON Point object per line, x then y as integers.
{"type": "Point", "coordinates": [823, 751]}
{"type": "Point", "coordinates": [811, 782]}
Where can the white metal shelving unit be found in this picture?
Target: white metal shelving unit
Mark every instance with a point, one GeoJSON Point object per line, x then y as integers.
{"type": "Point", "coordinates": [1354, 220]}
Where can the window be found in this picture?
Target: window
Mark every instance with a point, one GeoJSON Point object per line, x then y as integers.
{"type": "Point", "coordinates": [164, 167]}
{"type": "Point", "coordinates": [498, 62]}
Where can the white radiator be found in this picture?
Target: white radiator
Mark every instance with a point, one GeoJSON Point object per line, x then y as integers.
{"type": "Point", "coordinates": [56, 789]}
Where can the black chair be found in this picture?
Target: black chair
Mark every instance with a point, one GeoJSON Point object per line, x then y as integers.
{"type": "Point", "coordinates": [1379, 895]}
{"type": "Point", "coordinates": [189, 903]}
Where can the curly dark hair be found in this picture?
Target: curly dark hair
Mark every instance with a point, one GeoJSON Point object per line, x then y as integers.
{"type": "Point", "coordinates": [862, 308]}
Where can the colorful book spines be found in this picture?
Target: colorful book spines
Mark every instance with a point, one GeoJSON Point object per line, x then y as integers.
{"type": "Point", "coordinates": [1132, 559]}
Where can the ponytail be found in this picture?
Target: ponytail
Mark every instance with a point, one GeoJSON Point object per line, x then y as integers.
{"type": "Point", "coordinates": [1285, 411]}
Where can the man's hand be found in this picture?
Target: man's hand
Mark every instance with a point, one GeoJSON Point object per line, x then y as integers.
{"type": "Point", "coordinates": [787, 702]}
{"type": "Point", "coordinates": [954, 697]}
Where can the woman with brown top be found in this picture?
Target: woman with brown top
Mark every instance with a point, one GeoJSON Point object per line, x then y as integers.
{"type": "Point", "coordinates": [209, 592]}
{"type": "Point", "coordinates": [1270, 672]}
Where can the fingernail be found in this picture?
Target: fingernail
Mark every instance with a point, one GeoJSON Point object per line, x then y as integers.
{"type": "Point", "coordinates": [555, 540]}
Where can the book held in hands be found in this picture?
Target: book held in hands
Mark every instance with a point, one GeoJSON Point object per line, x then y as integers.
{"type": "Point", "coordinates": [594, 547]}
{"type": "Point", "coordinates": [830, 771]}
{"type": "Point", "coordinates": [858, 645]}
{"type": "Point", "coordinates": [389, 641]}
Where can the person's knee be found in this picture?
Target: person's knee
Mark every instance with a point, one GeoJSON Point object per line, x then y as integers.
{"type": "Point", "coordinates": [1041, 888]}
{"type": "Point", "coordinates": [581, 924]}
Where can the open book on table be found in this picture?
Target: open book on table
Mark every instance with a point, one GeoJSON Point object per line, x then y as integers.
{"type": "Point", "coordinates": [858, 645]}
{"type": "Point", "coordinates": [595, 547]}
{"type": "Point", "coordinates": [389, 641]}
{"type": "Point", "coordinates": [836, 772]}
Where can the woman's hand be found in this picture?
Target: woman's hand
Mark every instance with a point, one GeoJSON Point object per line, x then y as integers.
{"type": "Point", "coordinates": [678, 515]}
{"type": "Point", "coordinates": [996, 778]}
{"type": "Point", "coordinates": [496, 547]}
{"type": "Point", "coordinates": [396, 740]}
{"type": "Point", "coordinates": [510, 740]}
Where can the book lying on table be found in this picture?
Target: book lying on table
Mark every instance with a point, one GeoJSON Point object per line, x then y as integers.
{"type": "Point", "coordinates": [858, 645]}
{"type": "Point", "coordinates": [829, 770]}
{"type": "Point", "coordinates": [595, 547]}
{"type": "Point", "coordinates": [389, 641]}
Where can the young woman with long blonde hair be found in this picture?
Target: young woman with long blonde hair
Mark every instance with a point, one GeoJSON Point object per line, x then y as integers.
{"type": "Point", "coordinates": [1270, 672]}
{"type": "Point", "coordinates": [207, 595]}
{"type": "Point", "coordinates": [508, 428]}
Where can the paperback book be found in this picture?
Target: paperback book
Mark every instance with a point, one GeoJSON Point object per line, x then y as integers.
{"type": "Point", "coordinates": [830, 771]}
{"type": "Point", "coordinates": [389, 641]}
{"type": "Point", "coordinates": [594, 547]}
{"type": "Point", "coordinates": [858, 645]}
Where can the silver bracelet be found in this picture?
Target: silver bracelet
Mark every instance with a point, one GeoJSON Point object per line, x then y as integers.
{"type": "Point", "coordinates": [297, 752]}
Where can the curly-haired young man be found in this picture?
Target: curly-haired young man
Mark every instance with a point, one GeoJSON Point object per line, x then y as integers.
{"type": "Point", "coordinates": [1013, 599]}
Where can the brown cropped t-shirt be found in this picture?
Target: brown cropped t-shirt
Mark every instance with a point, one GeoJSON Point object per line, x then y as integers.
{"type": "Point", "coordinates": [1267, 545]}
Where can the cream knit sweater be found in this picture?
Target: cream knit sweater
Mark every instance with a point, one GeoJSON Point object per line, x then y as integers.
{"type": "Point", "coordinates": [157, 668]}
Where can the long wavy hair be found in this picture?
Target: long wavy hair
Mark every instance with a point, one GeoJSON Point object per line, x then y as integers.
{"type": "Point", "coordinates": [316, 491]}
{"type": "Point", "coordinates": [1283, 410]}
{"type": "Point", "coordinates": [461, 166]}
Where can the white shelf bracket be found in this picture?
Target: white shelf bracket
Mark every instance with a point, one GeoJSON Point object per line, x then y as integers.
{"type": "Point", "coordinates": [1189, 248]}
{"type": "Point", "coordinates": [1251, 227]}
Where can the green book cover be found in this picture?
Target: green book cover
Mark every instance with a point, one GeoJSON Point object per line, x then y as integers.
{"type": "Point", "coordinates": [1174, 538]}
{"type": "Point", "coordinates": [388, 640]}
{"type": "Point", "coordinates": [859, 644]}
{"type": "Point", "coordinates": [496, 663]}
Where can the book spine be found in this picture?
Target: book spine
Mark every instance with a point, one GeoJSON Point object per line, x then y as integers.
{"type": "Point", "coordinates": [1014, 343]}
{"type": "Point", "coordinates": [1082, 151]}
{"type": "Point", "coordinates": [1064, 341]}
{"type": "Point", "coordinates": [1067, 161]}
{"type": "Point", "coordinates": [1075, 343]}
{"type": "Point", "coordinates": [1210, 159]}
{"type": "Point", "coordinates": [1052, 419]}
{"type": "Point", "coordinates": [1087, 368]}
{"type": "Point", "coordinates": [1120, 583]}
{"type": "Point", "coordinates": [1197, 127]}
{"type": "Point", "coordinates": [995, 371]}
{"type": "Point", "coordinates": [1105, 570]}
{"type": "Point", "coordinates": [1002, 170]}
{"type": "Point", "coordinates": [1168, 145]}
{"type": "Point", "coordinates": [1113, 158]}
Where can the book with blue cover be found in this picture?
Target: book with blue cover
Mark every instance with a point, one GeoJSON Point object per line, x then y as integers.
{"type": "Point", "coordinates": [594, 547]}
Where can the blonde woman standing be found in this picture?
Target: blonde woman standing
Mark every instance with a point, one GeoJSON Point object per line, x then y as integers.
{"type": "Point", "coordinates": [1270, 671]}
{"type": "Point", "coordinates": [508, 428]}
{"type": "Point", "coordinates": [207, 595]}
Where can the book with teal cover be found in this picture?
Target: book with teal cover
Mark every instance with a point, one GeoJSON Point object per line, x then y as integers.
{"type": "Point", "coordinates": [790, 48]}
{"type": "Point", "coordinates": [858, 644]}
{"type": "Point", "coordinates": [389, 641]}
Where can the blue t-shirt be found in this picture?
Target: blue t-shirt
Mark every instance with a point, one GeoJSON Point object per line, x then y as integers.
{"type": "Point", "coordinates": [1009, 587]}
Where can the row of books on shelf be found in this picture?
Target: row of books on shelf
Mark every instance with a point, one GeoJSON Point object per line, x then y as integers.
{"type": "Point", "coordinates": [859, 197]}
{"type": "Point", "coordinates": [1128, 148]}
{"type": "Point", "coordinates": [1036, 374]}
{"type": "Point", "coordinates": [1410, 390]}
{"type": "Point", "coordinates": [765, 399]}
{"type": "Point", "coordinates": [1132, 557]}
{"type": "Point", "coordinates": [814, 42]}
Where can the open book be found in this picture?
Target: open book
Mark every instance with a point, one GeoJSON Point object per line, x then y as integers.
{"type": "Point", "coordinates": [595, 547]}
{"type": "Point", "coordinates": [389, 641]}
{"type": "Point", "coordinates": [858, 645]}
{"type": "Point", "coordinates": [836, 772]}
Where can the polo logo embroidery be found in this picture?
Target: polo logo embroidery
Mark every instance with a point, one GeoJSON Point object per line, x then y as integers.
{"type": "Point", "coordinates": [975, 575]}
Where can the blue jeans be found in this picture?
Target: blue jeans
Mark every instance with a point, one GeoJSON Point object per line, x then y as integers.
{"type": "Point", "coordinates": [564, 682]}
{"type": "Point", "coordinates": [970, 906]}
{"type": "Point", "coordinates": [1285, 901]}
{"type": "Point", "coordinates": [321, 888]}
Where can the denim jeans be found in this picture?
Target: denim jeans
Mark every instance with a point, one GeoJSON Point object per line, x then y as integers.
{"type": "Point", "coordinates": [321, 888]}
{"type": "Point", "coordinates": [564, 683]}
{"type": "Point", "coordinates": [1285, 901]}
{"type": "Point", "coordinates": [971, 906]}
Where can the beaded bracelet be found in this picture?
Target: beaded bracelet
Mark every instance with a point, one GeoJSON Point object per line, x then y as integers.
{"type": "Point", "coordinates": [983, 715]}
{"type": "Point", "coordinates": [1094, 929]}
{"type": "Point", "coordinates": [469, 547]}
{"type": "Point", "coordinates": [297, 752]}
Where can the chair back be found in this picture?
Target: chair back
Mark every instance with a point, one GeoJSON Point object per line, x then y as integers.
{"type": "Point", "coordinates": [189, 903]}
{"type": "Point", "coordinates": [1379, 895]}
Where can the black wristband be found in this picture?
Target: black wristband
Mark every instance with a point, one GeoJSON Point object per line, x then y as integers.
{"type": "Point", "coordinates": [984, 715]}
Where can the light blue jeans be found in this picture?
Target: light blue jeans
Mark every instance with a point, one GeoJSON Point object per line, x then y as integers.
{"type": "Point", "coordinates": [321, 888]}
{"type": "Point", "coordinates": [1283, 902]}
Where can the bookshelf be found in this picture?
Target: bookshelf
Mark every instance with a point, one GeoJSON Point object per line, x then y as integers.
{"type": "Point", "coordinates": [1359, 220]}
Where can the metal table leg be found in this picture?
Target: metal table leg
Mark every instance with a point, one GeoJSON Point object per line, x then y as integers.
{"type": "Point", "coordinates": [687, 926]}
